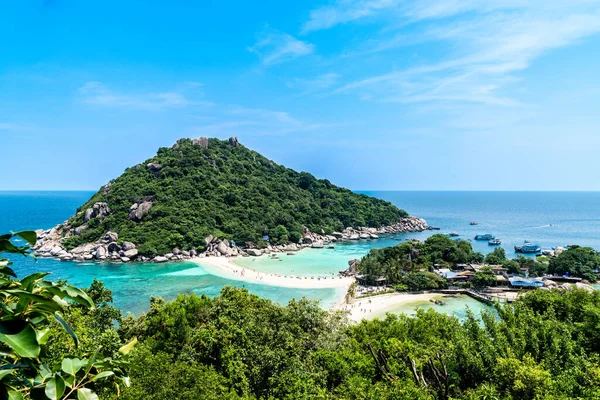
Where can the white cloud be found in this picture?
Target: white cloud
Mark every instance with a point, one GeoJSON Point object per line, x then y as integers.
{"type": "Point", "coordinates": [97, 93]}
{"type": "Point", "coordinates": [345, 11]}
{"type": "Point", "coordinates": [486, 43]}
{"type": "Point", "coordinates": [276, 47]}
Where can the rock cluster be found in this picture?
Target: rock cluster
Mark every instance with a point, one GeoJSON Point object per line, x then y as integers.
{"type": "Point", "coordinates": [108, 248]}
{"type": "Point", "coordinates": [99, 209]}
{"type": "Point", "coordinates": [410, 224]}
{"type": "Point", "coordinates": [137, 211]}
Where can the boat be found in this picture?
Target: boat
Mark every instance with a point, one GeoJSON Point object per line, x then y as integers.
{"type": "Point", "coordinates": [487, 236]}
{"type": "Point", "coordinates": [453, 234]}
{"type": "Point", "coordinates": [528, 248]}
{"type": "Point", "coordinates": [495, 242]}
{"type": "Point", "coordinates": [472, 223]}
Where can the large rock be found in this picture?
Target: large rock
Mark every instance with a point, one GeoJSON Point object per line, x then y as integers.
{"type": "Point", "coordinates": [113, 247]}
{"type": "Point", "coordinates": [154, 167]}
{"type": "Point", "coordinates": [127, 246]}
{"type": "Point", "coordinates": [111, 237]}
{"type": "Point", "coordinates": [234, 141]}
{"type": "Point", "coordinates": [208, 239]}
{"type": "Point", "coordinates": [83, 248]}
{"type": "Point", "coordinates": [160, 259]}
{"type": "Point", "coordinates": [202, 142]}
{"type": "Point", "coordinates": [99, 209]}
{"type": "Point", "coordinates": [254, 252]}
{"type": "Point", "coordinates": [139, 210]}
{"type": "Point", "coordinates": [77, 231]}
{"type": "Point", "coordinates": [584, 286]}
{"type": "Point", "coordinates": [101, 252]}
{"type": "Point", "coordinates": [131, 253]}
{"type": "Point", "coordinates": [223, 248]}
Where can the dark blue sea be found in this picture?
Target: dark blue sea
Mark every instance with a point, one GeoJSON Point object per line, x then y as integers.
{"type": "Point", "coordinates": [547, 218]}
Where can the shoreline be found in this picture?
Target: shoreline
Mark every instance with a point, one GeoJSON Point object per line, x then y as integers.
{"type": "Point", "coordinates": [226, 268]}
{"type": "Point", "coordinates": [377, 306]}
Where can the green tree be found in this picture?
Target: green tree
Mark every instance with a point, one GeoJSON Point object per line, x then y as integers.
{"type": "Point", "coordinates": [496, 257]}
{"type": "Point", "coordinates": [484, 277]}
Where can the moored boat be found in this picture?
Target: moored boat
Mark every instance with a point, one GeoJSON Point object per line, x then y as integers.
{"type": "Point", "coordinates": [453, 234]}
{"type": "Point", "coordinates": [495, 242]}
{"type": "Point", "coordinates": [487, 236]}
{"type": "Point", "coordinates": [528, 248]}
{"type": "Point", "coordinates": [472, 223]}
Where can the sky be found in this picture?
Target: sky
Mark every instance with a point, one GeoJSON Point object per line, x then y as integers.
{"type": "Point", "coordinates": [371, 94]}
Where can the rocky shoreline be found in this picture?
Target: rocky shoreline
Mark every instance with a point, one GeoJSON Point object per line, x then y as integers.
{"type": "Point", "coordinates": [109, 248]}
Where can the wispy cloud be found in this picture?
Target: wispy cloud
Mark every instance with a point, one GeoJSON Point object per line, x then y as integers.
{"type": "Point", "coordinates": [311, 85]}
{"type": "Point", "coordinates": [96, 93]}
{"type": "Point", "coordinates": [276, 47]}
{"type": "Point", "coordinates": [487, 42]}
{"type": "Point", "coordinates": [344, 11]}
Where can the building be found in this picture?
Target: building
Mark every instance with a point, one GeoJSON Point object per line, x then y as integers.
{"type": "Point", "coordinates": [526, 283]}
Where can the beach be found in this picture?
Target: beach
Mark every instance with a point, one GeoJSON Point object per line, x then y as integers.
{"type": "Point", "coordinates": [376, 306]}
{"type": "Point", "coordinates": [226, 268]}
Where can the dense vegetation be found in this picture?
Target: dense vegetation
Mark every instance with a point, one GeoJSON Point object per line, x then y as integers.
{"type": "Point", "coordinates": [41, 355]}
{"type": "Point", "coordinates": [405, 265]}
{"type": "Point", "coordinates": [395, 262]}
{"type": "Point", "coordinates": [225, 190]}
{"type": "Point", "coordinates": [239, 346]}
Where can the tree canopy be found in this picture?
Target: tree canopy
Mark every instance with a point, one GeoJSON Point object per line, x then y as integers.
{"type": "Point", "coordinates": [223, 189]}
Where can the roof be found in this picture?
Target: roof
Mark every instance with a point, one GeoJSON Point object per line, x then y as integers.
{"type": "Point", "coordinates": [526, 282]}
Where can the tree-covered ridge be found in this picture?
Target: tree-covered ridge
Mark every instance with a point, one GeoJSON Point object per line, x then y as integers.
{"type": "Point", "coordinates": [221, 188]}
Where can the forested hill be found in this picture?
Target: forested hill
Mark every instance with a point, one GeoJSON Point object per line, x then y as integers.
{"type": "Point", "coordinates": [218, 187]}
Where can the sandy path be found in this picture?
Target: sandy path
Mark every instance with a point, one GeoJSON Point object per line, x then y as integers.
{"type": "Point", "coordinates": [224, 267]}
{"type": "Point", "coordinates": [377, 306]}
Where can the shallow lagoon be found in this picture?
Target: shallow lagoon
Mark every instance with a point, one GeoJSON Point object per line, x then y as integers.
{"type": "Point", "coordinates": [455, 305]}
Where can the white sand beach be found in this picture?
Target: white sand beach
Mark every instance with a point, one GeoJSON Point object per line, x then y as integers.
{"type": "Point", "coordinates": [224, 267]}
{"type": "Point", "coordinates": [377, 306]}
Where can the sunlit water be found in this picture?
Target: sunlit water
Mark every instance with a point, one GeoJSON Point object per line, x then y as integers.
{"type": "Point", "coordinates": [549, 219]}
{"type": "Point", "coordinates": [454, 305]}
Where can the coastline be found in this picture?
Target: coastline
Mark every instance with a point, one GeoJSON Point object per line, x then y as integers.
{"type": "Point", "coordinates": [226, 268]}
{"type": "Point", "coordinates": [376, 306]}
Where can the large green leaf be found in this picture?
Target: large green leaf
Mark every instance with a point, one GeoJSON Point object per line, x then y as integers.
{"type": "Point", "coordinates": [103, 375]}
{"type": "Point", "coordinates": [29, 236]}
{"type": "Point", "coordinates": [12, 395]}
{"type": "Point", "coordinates": [127, 348]}
{"type": "Point", "coordinates": [28, 282]}
{"type": "Point", "coordinates": [67, 328]}
{"type": "Point", "coordinates": [72, 365]}
{"type": "Point", "coordinates": [6, 372]}
{"type": "Point", "coordinates": [23, 342]}
{"type": "Point", "coordinates": [4, 269]}
{"type": "Point", "coordinates": [48, 304]}
{"type": "Point", "coordinates": [86, 394]}
{"type": "Point", "coordinates": [55, 387]}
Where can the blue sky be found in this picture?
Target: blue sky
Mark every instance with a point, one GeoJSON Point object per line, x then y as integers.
{"type": "Point", "coordinates": [372, 94]}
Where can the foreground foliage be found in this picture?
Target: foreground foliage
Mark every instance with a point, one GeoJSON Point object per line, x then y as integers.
{"type": "Point", "coordinates": [227, 191]}
{"type": "Point", "coordinates": [40, 353]}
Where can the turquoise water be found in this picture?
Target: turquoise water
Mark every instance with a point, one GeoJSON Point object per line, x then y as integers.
{"type": "Point", "coordinates": [548, 218]}
{"type": "Point", "coordinates": [455, 305]}
{"type": "Point", "coordinates": [132, 284]}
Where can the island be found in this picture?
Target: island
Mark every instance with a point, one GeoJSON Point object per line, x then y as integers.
{"type": "Point", "coordinates": [211, 197]}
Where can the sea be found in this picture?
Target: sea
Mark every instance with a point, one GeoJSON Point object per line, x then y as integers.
{"type": "Point", "coordinates": [547, 218]}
